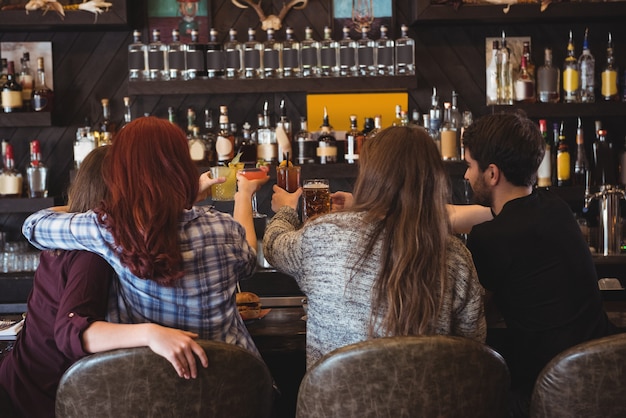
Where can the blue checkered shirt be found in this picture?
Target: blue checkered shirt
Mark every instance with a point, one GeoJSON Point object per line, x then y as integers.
{"type": "Point", "coordinates": [216, 256]}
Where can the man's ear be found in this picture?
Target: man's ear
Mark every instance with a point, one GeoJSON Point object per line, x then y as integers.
{"type": "Point", "coordinates": [493, 174]}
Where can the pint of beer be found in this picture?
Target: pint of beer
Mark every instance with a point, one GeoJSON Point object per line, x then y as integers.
{"type": "Point", "coordinates": [316, 198]}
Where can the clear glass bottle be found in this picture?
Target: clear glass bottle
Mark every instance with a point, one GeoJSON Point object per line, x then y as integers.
{"type": "Point", "coordinates": [305, 145]}
{"type": "Point", "coordinates": [272, 57]}
{"type": "Point", "coordinates": [530, 64]}
{"type": "Point", "coordinates": [106, 128]}
{"type": "Point", "coordinates": [449, 146]}
{"type": "Point", "coordinates": [43, 96]}
{"type": "Point", "coordinates": [284, 134]}
{"type": "Point", "coordinates": [197, 147]}
{"type": "Point", "coordinates": [609, 74]}
{"type": "Point", "coordinates": [252, 51]}
{"type": "Point", "coordinates": [554, 147]}
{"type": "Point", "coordinates": [11, 92]}
{"type": "Point", "coordinates": [405, 53]}
{"type": "Point", "coordinates": [505, 74]}
{"type": "Point", "coordinates": [176, 57]}
{"type": "Point", "coordinates": [326, 142]}
{"type": "Point", "coordinates": [385, 53]}
{"type": "Point", "coordinates": [544, 174]}
{"type": "Point", "coordinates": [225, 142]}
{"type": "Point", "coordinates": [354, 141]}
{"type": "Point", "coordinates": [157, 58]}
{"type": "Point", "coordinates": [10, 178]}
{"type": "Point", "coordinates": [214, 56]}
{"type": "Point", "coordinates": [524, 85]}
{"type": "Point", "coordinates": [128, 116]}
{"type": "Point", "coordinates": [548, 78]}
{"type": "Point", "coordinates": [36, 173]}
{"type": "Point", "coordinates": [456, 119]}
{"type": "Point", "coordinates": [85, 143]}
{"type": "Point", "coordinates": [348, 64]}
{"type": "Point", "coordinates": [267, 148]}
{"type": "Point", "coordinates": [492, 75]}
{"type": "Point", "coordinates": [137, 58]}
{"type": "Point", "coordinates": [26, 80]}
{"type": "Point", "coordinates": [329, 55]}
{"type": "Point", "coordinates": [232, 55]}
{"type": "Point", "coordinates": [571, 74]}
{"type": "Point", "coordinates": [435, 112]}
{"type": "Point", "coordinates": [563, 161]}
{"type": "Point", "coordinates": [366, 57]}
{"type": "Point", "coordinates": [291, 55]}
{"type": "Point", "coordinates": [310, 55]}
{"type": "Point", "coordinates": [581, 165]}
{"type": "Point", "coordinates": [196, 57]}
{"type": "Point", "coordinates": [587, 65]}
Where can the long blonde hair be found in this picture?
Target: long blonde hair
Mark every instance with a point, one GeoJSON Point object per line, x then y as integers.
{"type": "Point", "coordinates": [403, 188]}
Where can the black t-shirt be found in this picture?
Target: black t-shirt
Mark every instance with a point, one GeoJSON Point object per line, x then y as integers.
{"type": "Point", "coordinates": [534, 259]}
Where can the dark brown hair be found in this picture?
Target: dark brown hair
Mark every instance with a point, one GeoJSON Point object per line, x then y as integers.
{"type": "Point", "coordinates": [88, 189]}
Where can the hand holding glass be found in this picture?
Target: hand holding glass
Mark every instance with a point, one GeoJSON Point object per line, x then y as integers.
{"type": "Point", "coordinates": [226, 190]}
{"type": "Point", "coordinates": [258, 173]}
{"type": "Point", "coordinates": [288, 177]}
{"type": "Point", "coordinates": [316, 198]}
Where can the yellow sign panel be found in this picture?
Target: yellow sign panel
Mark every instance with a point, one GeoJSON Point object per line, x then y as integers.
{"type": "Point", "coordinates": [363, 105]}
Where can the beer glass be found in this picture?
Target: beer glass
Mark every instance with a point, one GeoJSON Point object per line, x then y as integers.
{"type": "Point", "coordinates": [315, 197]}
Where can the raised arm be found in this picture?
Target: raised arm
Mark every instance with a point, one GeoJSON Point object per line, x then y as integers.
{"type": "Point", "coordinates": [464, 217]}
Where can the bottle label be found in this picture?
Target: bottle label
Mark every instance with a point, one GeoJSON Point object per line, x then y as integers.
{"type": "Point", "coordinates": [609, 83]}
{"type": "Point", "coordinates": [11, 100]}
{"type": "Point", "coordinates": [385, 57]}
{"type": "Point", "coordinates": [570, 80]}
{"type": "Point", "coordinates": [270, 59]}
{"type": "Point", "coordinates": [448, 145]}
{"type": "Point", "coordinates": [326, 151]}
{"type": "Point", "coordinates": [290, 58]}
{"type": "Point", "coordinates": [214, 60]}
{"type": "Point", "coordinates": [563, 166]}
{"type": "Point", "coordinates": [267, 152]}
{"type": "Point", "coordinates": [545, 170]}
{"type": "Point", "coordinates": [176, 60]}
{"type": "Point", "coordinates": [224, 148]}
{"type": "Point", "coordinates": [197, 150]}
{"type": "Point", "coordinates": [404, 54]}
{"type": "Point", "coordinates": [347, 57]}
{"type": "Point", "coordinates": [195, 60]}
{"type": "Point", "coordinates": [136, 60]}
{"type": "Point", "coordinates": [328, 57]}
{"type": "Point", "coordinates": [309, 57]}
{"type": "Point", "coordinates": [156, 60]}
{"type": "Point", "coordinates": [252, 59]}
{"type": "Point", "coordinates": [366, 57]}
{"type": "Point", "coordinates": [233, 59]}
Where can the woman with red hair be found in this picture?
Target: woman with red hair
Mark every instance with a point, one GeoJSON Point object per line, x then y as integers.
{"type": "Point", "coordinates": [178, 264]}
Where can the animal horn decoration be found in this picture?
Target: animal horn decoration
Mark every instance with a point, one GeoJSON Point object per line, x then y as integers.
{"type": "Point", "coordinates": [271, 21]}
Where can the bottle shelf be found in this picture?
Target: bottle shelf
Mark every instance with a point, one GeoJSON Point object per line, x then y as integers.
{"type": "Point", "coordinates": [20, 119]}
{"type": "Point", "coordinates": [25, 205]}
{"type": "Point", "coordinates": [563, 110]}
{"type": "Point", "coordinates": [309, 85]}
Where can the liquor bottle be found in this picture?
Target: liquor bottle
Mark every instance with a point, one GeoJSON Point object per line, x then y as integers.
{"type": "Point", "coordinates": [43, 97]}
{"type": "Point", "coordinates": [11, 92]}
{"type": "Point", "coordinates": [191, 121]}
{"type": "Point", "coordinates": [548, 78]}
{"type": "Point", "coordinates": [10, 178]}
{"type": "Point", "coordinates": [252, 52]}
{"type": "Point", "coordinates": [305, 145]}
{"type": "Point", "coordinates": [247, 145]}
{"type": "Point", "coordinates": [609, 74]}
{"type": "Point", "coordinates": [378, 126]}
{"type": "Point", "coordinates": [544, 174]}
{"type": "Point", "coordinates": [128, 116]}
{"type": "Point", "coordinates": [366, 59]}
{"type": "Point", "coordinates": [3, 71]}
{"type": "Point", "coordinates": [157, 58]}
{"type": "Point", "coordinates": [329, 51]}
{"type": "Point", "coordinates": [267, 148]}
{"type": "Point", "coordinates": [455, 115]}
{"type": "Point", "coordinates": [197, 147]}
{"type": "Point", "coordinates": [448, 134]}
{"type": "Point", "coordinates": [171, 115]}
{"type": "Point", "coordinates": [505, 74]}
{"type": "Point", "coordinates": [466, 121]}
{"type": "Point", "coordinates": [415, 119]}
{"type": "Point", "coordinates": [176, 57]}
{"type": "Point", "coordinates": [137, 58]}
{"type": "Point", "coordinates": [530, 64]}
{"type": "Point", "coordinates": [105, 129]}
{"type": "Point", "coordinates": [36, 173]}
{"type": "Point", "coordinates": [563, 161]}
{"type": "Point", "coordinates": [605, 170]}
{"type": "Point", "coordinates": [214, 56]}
{"type": "Point", "coordinates": [354, 142]}
{"type": "Point", "coordinates": [571, 74]}
{"type": "Point", "coordinates": [384, 53]}
{"type": "Point", "coordinates": [284, 133]}
{"type": "Point", "coordinates": [291, 55]}
{"type": "Point", "coordinates": [554, 146]}
{"type": "Point", "coordinates": [405, 53]}
{"type": "Point", "coordinates": [85, 143]}
{"type": "Point", "coordinates": [310, 55]}
{"type": "Point", "coordinates": [434, 112]}
{"type": "Point", "coordinates": [398, 116]}
{"type": "Point", "coordinates": [232, 56]}
{"type": "Point", "coordinates": [492, 75]}
{"type": "Point", "coordinates": [327, 144]}
{"type": "Point", "coordinates": [587, 65]}
{"type": "Point", "coordinates": [272, 61]}
{"type": "Point", "coordinates": [225, 142]}
{"type": "Point", "coordinates": [347, 55]}
{"type": "Point", "coordinates": [581, 165]}
{"type": "Point", "coordinates": [368, 126]}
{"type": "Point", "coordinates": [196, 57]}
{"type": "Point", "coordinates": [524, 85]}
{"type": "Point", "coordinates": [26, 80]}
{"type": "Point", "coordinates": [209, 137]}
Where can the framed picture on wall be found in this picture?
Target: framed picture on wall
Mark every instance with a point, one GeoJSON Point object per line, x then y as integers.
{"type": "Point", "coordinates": [183, 15]}
{"type": "Point", "coordinates": [355, 13]}
{"type": "Point", "coordinates": [43, 15]}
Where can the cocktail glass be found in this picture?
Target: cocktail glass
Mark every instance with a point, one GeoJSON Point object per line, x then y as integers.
{"type": "Point", "coordinates": [256, 173]}
{"type": "Point", "coordinates": [225, 191]}
{"type": "Point", "coordinates": [288, 177]}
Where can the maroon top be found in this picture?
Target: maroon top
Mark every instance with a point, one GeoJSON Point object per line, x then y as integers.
{"type": "Point", "coordinates": [70, 291]}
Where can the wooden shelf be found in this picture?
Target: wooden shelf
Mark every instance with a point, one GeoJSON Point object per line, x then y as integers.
{"type": "Point", "coordinates": [20, 119]}
{"type": "Point", "coordinates": [564, 110]}
{"type": "Point", "coordinates": [487, 13]}
{"type": "Point", "coordinates": [308, 85]}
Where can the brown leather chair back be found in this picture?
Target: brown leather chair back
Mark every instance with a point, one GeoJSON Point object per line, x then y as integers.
{"type": "Point", "coordinates": [136, 382]}
{"type": "Point", "coordinates": [429, 376]}
{"type": "Point", "coordinates": [588, 380]}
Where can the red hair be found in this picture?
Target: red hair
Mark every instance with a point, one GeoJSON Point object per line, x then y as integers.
{"type": "Point", "coordinates": [151, 180]}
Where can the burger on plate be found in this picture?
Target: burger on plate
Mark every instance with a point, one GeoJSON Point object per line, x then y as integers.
{"type": "Point", "coordinates": [249, 305]}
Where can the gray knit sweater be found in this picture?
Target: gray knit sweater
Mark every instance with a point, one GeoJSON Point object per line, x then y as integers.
{"type": "Point", "coordinates": [320, 256]}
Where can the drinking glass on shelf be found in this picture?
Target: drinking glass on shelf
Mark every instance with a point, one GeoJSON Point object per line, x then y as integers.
{"type": "Point", "coordinates": [256, 173]}
{"type": "Point", "coordinates": [288, 177]}
{"type": "Point", "coordinates": [315, 197]}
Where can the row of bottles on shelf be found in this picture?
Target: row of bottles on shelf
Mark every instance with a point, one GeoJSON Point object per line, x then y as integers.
{"type": "Point", "coordinates": [11, 180]}
{"type": "Point", "coordinates": [560, 167]}
{"type": "Point", "coordinates": [272, 58]}
{"type": "Point", "coordinates": [22, 91]}
{"type": "Point", "coordinates": [576, 82]}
